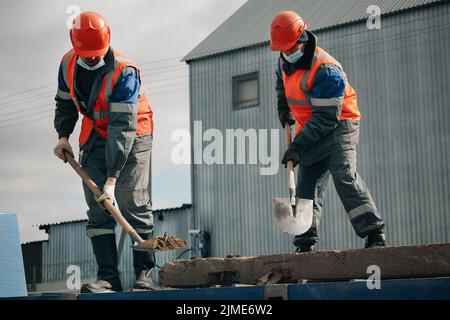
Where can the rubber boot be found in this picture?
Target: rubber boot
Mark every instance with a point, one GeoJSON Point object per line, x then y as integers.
{"type": "Point", "coordinates": [108, 276]}
{"type": "Point", "coordinates": [375, 239]}
{"type": "Point", "coordinates": [143, 263]}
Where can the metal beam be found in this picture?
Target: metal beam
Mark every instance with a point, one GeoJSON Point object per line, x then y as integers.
{"type": "Point", "coordinates": [393, 263]}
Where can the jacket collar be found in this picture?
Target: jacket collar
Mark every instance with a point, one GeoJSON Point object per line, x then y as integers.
{"type": "Point", "coordinates": [109, 61]}
{"type": "Point", "coordinates": [96, 85]}
{"type": "Point", "coordinates": [307, 58]}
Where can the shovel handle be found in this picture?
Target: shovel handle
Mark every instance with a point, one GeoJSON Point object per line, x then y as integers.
{"type": "Point", "coordinates": [108, 204]}
{"type": "Point", "coordinates": [290, 166]}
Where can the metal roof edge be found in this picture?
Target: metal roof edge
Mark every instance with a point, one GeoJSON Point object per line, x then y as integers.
{"type": "Point", "coordinates": [31, 242]}
{"type": "Point", "coordinates": [218, 53]}
{"type": "Point", "coordinates": [46, 225]}
{"type": "Point", "coordinates": [201, 56]}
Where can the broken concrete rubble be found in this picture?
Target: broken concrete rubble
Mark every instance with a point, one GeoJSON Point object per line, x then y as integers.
{"type": "Point", "coordinates": [162, 243]}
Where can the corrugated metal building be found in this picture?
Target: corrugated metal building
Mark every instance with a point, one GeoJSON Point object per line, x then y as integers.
{"type": "Point", "coordinates": [46, 263]}
{"type": "Point", "coordinates": [401, 74]}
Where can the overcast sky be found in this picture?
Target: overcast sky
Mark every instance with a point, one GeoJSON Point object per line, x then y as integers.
{"type": "Point", "coordinates": [36, 185]}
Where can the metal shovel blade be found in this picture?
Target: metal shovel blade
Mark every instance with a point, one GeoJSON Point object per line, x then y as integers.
{"type": "Point", "coordinates": [288, 222]}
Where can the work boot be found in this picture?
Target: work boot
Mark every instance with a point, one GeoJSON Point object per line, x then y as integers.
{"type": "Point", "coordinates": [98, 286]}
{"type": "Point", "coordinates": [108, 276]}
{"type": "Point", "coordinates": [145, 282]}
{"type": "Point", "coordinates": [143, 262]}
{"type": "Point", "coordinates": [302, 249]}
{"type": "Point", "coordinates": [375, 239]}
{"type": "Point", "coordinates": [306, 242]}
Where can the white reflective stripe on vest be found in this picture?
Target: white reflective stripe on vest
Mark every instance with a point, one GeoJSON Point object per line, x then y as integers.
{"type": "Point", "coordinates": [305, 82]}
{"type": "Point", "coordinates": [108, 84]}
{"type": "Point", "coordinates": [324, 56]}
{"type": "Point", "coordinates": [122, 107]}
{"type": "Point", "coordinates": [65, 66]}
{"type": "Point", "coordinates": [299, 102]}
{"type": "Point", "coordinates": [63, 95]}
{"type": "Point", "coordinates": [101, 114]}
{"type": "Point", "coordinates": [327, 102]}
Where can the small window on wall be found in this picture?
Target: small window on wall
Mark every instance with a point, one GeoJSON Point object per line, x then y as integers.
{"type": "Point", "coordinates": [246, 91]}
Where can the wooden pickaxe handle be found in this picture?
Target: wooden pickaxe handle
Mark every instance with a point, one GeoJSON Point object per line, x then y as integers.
{"type": "Point", "coordinates": [290, 166]}
{"type": "Point", "coordinates": [108, 204]}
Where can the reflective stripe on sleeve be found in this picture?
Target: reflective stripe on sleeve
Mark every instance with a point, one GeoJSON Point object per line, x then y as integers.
{"type": "Point", "coordinates": [123, 107]}
{"type": "Point", "coordinates": [327, 102]}
{"type": "Point", "coordinates": [101, 114]}
{"type": "Point", "coordinates": [98, 232]}
{"type": "Point", "coordinates": [63, 95]}
{"type": "Point", "coordinates": [298, 102]}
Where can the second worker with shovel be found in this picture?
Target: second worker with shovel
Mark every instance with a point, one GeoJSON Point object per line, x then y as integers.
{"type": "Point", "coordinates": [115, 143]}
{"type": "Point", "coordinates": [312, 90]}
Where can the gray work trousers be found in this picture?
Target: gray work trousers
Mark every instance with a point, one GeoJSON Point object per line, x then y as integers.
{"type": "Point", "coordinates": [131, 192]}
{"type": "Point", "coordinates": [353, 192]}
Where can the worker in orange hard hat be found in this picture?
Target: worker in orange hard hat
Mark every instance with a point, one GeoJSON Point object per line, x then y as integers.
{"type": "Point", "coordinates": [115, 143]}
{"type": "Point", "coordinates": [313, 91]}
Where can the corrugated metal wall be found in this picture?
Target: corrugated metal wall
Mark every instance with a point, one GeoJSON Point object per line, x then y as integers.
{"type": "Point", "coordinates": [69, 245]}
{"type": "Point", "coordinates": [401, 74]}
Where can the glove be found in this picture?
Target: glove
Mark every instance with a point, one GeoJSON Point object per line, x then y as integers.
{"type": "Point", "coordinates": [108, 192]}
{"type": "Point", "coordinates": [291, 154]}
{"type": "Point", "coordinates": [63, 145]}
{"type": "Point", "coordinates": [286, 117]}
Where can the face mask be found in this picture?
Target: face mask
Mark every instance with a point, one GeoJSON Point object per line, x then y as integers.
{"type": "Point", "coordinates": [100, 64]}
{"type": "Point", "coordinates": [293, 58]}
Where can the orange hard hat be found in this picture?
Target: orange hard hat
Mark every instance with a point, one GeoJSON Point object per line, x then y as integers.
{"type": "Point", "coordinates": [285, 30]}
{"type": "Point", "coordinates": [90, 35]}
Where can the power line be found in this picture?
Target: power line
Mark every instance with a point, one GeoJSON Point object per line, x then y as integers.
{"type": "Point", "coordinates": [160, 60]}
{"type": "Point", "coordinates": [26, 91]}
{"type": "Point", "coordinates": [47, 117]}
{"type": "Point", "coordinates": [166, 68]}
{"type": "Point", "coordinates": [167, 85]}
{"type": "Point", "coordinates": [150, 88]}
{"type": "Point", "coordinates": [27, 121]}
{"type": "Point", "coordinates": [144, 76]}
{"type": "Point", "coordinates": [8, 104]}
{"type": "Point", "coordinates": [54, 84]}
{"type": "Point", "coordinates": [28, 99]}
{"type": "Point", "coordinates": [21, 110]}
{"type": "Point", "coordinates": [165, 92]}
{"type": "Point", "coordinates": [166, 79]}
{"type": "Point", "coordinates": [27, 115]}
{"type": "Point", "coordinates": [172, 84]}
{"type": "Point", "coordinates": [50, 94]}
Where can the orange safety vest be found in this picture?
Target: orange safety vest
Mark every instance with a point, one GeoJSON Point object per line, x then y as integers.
{"type": "Point", "coordinates": [102, 104]}
{"type": "Point", "coordinates": [298, 85]}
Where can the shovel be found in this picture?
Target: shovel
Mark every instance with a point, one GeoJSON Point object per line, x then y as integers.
{"type": "Point", "coordinates": [139, 243]}
{"type": "Point", "coordinates": [292, 215]}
